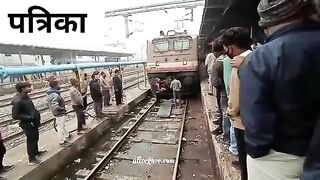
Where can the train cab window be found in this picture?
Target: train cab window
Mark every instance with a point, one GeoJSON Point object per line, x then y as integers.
{"type": "Point", "coordinates": [181, 44]}
{"type": "Point", "coordinates": [161, 46]}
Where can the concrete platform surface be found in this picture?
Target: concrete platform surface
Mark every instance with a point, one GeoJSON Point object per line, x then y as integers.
{"type": "Point", "coordinates": [224, 157]}
{"type": "Point", "coordinates": [57, 156]}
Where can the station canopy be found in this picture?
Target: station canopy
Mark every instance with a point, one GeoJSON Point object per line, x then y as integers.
{"type": "Point", "coordinates": [45, 50]}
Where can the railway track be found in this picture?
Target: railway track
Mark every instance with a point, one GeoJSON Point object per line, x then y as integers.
{"type": "Point", "coordinates": [42, 93]}
{"type": "Point", "coordinates": [144, 147]}
{"type": "Point", "coordinates": [7, 119]}
{"type": "Point", "coordinates": [20, 133]}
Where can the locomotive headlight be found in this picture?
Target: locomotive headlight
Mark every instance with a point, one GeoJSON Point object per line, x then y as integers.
{"type": "Point", "coordinates": [184, 62]}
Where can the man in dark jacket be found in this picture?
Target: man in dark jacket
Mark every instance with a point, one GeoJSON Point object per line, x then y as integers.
{"type": "Point", "coordinates": [117, 84]}
{"type": "Point", "coordinates": [24, 110]}
{"type": "Point", "coordinates": [279, 94]}
{"type": "Point", "coordinates": [58, 108]}
{"type": "Point", "coordinates": [96, 94]}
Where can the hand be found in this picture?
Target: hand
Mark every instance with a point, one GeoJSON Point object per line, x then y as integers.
{"type": "Point", "coordinates": [237, 61]}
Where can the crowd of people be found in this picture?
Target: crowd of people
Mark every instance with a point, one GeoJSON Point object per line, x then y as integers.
{"type": "Point", "coordinates": [102, 86]}
{"type": "Point", "coordinates": [267, 95]}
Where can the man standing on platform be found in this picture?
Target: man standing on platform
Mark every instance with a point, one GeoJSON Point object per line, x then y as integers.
{"type": "Point", "coordinates": [210, 60]}
{"type": "Point", "coordinates": [117, 84]}
{"type": "Point", "coordinates": [279, 92]}
{"type": "Point", "coordinates": [24, 110]}
{"type": "Point", "coordinates": [96, 94]}
{"type": "Point", "coordinates": [77, 105]}
{"type": "Point", "coordinates": [58, 108]}
{"type": "Point", "coordinates": [84, 89]}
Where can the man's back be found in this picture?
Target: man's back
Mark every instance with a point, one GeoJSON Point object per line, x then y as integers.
{"type": "Point", "coordinates": [279, 91]}
{"type": "Point", "coordinates": [175, 85]}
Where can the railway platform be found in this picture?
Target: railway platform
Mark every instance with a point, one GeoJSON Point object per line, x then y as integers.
{"type": "Point", "coordinates": [222, 154]}
{"type": "Point", "coordinates": [58, 157]}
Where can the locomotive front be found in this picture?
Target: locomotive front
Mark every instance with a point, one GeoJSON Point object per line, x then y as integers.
{"type": "Point", "coordinates": [173, 55]}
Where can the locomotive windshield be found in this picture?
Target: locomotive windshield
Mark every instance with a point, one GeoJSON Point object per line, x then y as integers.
{"type": "Point", "coordinates": [181, 44]}
{"type": "Point", "coordinates": [161, 46]}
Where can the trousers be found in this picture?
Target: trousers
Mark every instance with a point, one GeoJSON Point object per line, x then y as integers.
{"type": "Point", "coordinates": [118, 95]}
{"type": "Point", "coordinates": [81, 118]}
{"type": "Point", "coordinates": [97, 106]}
{"type": "Point", "coordinates": [275, 166]}
{"type": "Point", "coordinates": [176, 94]}
{"type": "Point", "coordinates": [32, 134]}
{"type": "Point", "coordinates": [2, 153]}
{"type": "Point", "coordinates": [242, 155]}
{"type": "Point", "coordinates": [106, 97]}
{"type": "Point", "coordinates": [63, 134]}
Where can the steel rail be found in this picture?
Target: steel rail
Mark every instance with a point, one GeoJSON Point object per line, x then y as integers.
{"type": "Point", "coordinates": [104, 160]}
{"type": "Point", "coordinates": [176, 163]}
{"type": "Point", "coordinates": [15, 135]}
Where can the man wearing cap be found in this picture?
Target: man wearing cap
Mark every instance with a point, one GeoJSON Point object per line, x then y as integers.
{"type": "Point", "coordinates": [77, 104]}
{"type": "Point", "coordinates": [58, 108]}
{"type": "Point", "coordinates": [279, 94]}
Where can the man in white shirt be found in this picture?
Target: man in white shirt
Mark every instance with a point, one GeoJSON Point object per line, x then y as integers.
{"type": "Point", "coordinates": [210, 60]}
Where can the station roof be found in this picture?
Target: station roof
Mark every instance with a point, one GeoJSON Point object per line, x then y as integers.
{"type": "Point", "coordinates": [233, 13]}
{"type": "Point", "coordinates": [44, 50]}
{"type": "Point", "coordinates": [212, 13]}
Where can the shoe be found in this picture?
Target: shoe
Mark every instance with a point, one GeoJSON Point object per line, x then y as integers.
{"type": "Point", "coordinates": [2, 178]}
{"type": "Point", "coordinates": [81, 132]}
{"type": "Point", "coordinates": [236, 165]}
{"type": "Point", "coordinates": [6, 169]}
{"type": "Point", "coordinates": [216, 132]}
{"type": "Point", "coordinates": [84, 127]}
{"type": "Point", "coordinates": [34, 162]}
{"type": "Point", "coordinates": [40, 153]}
{"type": "Point", "coordinates": [65, 144]}
{"type": "Point", "coordinates": [211, 94]}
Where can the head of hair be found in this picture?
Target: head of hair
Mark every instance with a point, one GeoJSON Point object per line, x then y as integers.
{"type": "Point", "coordinates": [74, 81]}
{"type": "Point", "coordinates": [21, 85]}
{"type": "Point", "coordinates": [217, 45]}
{"type": "Point", "coordinates": [237, 36]}
{"type": "Point", "coordinates": [94, 74]}
{"type": "Point", "coordinates": [85, 74]}
{"type": "Point", "coordinates": [53, 81]}
{"type": "Point", "coordinates": [116, 71]}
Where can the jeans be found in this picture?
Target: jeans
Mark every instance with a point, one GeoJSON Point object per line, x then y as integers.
{"type": "Point", "coordinates": [176, 94]}
{"type": "Point", "coordinates": [97, 106]}
{"type": "Point", "coordinates": [242, 155]}
{"type": "Point", "coordinates": [61, 126]}
{"type": "Point", "coordinates": [225, 119]}
{"type": "Point", "coordinates": [32, 134]}
{"type": "Point", "coordinates": [228, 129]}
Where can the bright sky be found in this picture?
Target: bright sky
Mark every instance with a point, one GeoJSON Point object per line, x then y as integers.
{"type": "Point", "coordinates": [96, 25]}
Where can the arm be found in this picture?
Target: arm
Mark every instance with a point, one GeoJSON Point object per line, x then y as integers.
{"type": "Point", "coordinates": [17, 115]}
{"type": "Point", "coordinates": [257, 104]}
{"type": "Point", "coordinates": [234, 101]}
